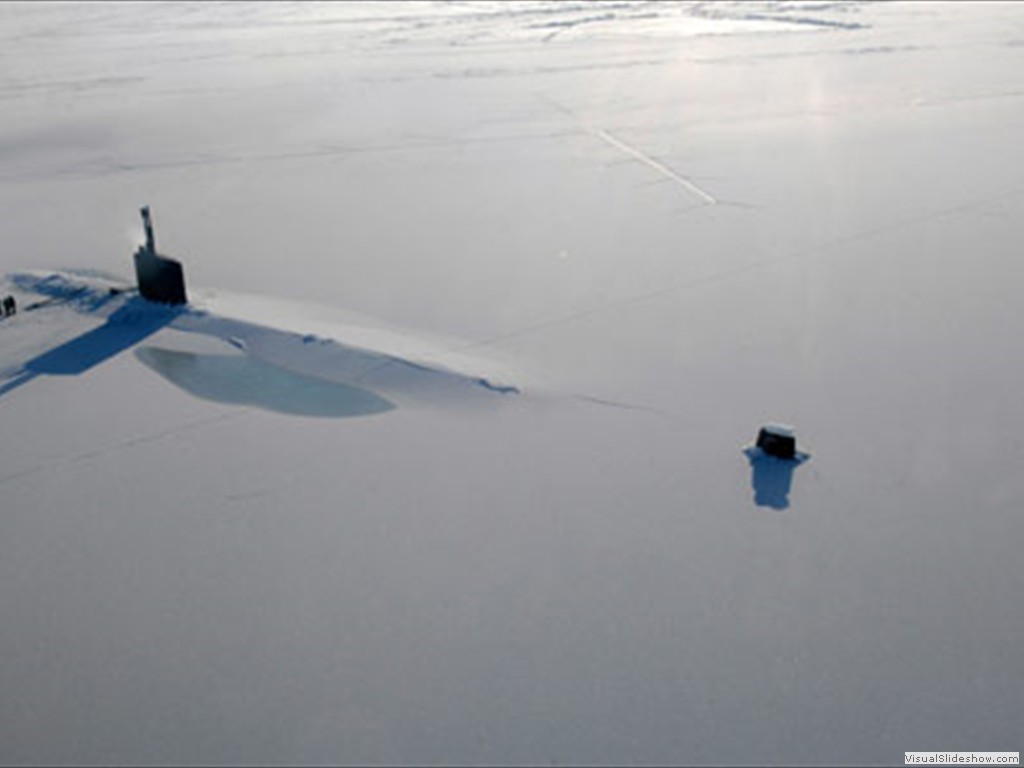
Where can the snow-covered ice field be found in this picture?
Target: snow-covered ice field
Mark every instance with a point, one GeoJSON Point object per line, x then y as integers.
{"type": "Point", "coordinates": [444, 462]}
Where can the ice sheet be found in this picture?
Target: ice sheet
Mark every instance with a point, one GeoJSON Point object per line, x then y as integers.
{"type": "Point", "coordinates": [192, 572]}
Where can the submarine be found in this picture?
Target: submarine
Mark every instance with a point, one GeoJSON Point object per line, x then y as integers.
{"type": "Point", "coordinates": [160, 278]}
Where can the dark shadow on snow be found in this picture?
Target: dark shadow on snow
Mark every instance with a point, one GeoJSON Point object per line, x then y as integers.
{"type": "Point", "coordinates": [239, 379]}
{"type": "Point", "coordinates": [771, 477]}
{"type": "Point", "coordinates": [136, 320]}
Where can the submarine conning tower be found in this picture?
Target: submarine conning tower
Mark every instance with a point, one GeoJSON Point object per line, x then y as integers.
{"type": "Point", "coordinates": [160, 278]}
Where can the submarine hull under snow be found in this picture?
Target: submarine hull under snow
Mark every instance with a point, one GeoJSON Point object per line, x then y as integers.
{"type": "Point", "coordinates": [160, 279]}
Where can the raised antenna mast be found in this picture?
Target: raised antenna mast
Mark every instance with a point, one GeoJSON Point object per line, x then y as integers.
{"type": "Point", "coordinates": [150, 240]}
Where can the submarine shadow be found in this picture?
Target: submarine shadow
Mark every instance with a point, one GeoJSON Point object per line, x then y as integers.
{"type": "Point", "coordinates": [771, 477]}
{"type": "Point", "coordinates": [134, 321]}
{"type": "Point", "coordinates": [240, 379]}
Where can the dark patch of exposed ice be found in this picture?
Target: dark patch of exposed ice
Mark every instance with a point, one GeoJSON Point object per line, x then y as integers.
{"type": "Point", "coordinates": [244, 380]}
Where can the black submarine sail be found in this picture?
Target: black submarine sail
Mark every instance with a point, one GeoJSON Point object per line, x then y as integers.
{"type": "Point", "coordinates": [160, 278]}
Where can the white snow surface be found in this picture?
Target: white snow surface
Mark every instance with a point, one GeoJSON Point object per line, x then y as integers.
{"type": "Point", "coordinates": [443, 463]}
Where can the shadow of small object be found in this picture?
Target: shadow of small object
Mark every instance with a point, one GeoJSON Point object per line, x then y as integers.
{"type": "Point", "coordinates": [772, 477]}
{"type": "Point", "coordinates": [134, 321]}
{"type": "Point", "coordinates": [239, 379]}
{"type": "Point", "coordinates": [501, 389]}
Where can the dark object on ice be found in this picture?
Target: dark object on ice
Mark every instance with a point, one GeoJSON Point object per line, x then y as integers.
{"type": "Point", "coordinates": [777, 440]}
{"type": "Point", "coordinates": [160, 278]}
{"type": "Point", "coordinates": [9, 306]}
